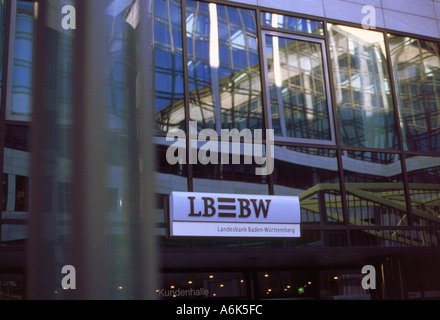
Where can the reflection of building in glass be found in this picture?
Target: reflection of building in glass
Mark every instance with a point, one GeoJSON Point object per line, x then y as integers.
{"type": "Point", "coordinates": [379, 203]}
{"type": "Point", "coordinates": [168, 64]}
{"type": "Point", "coordinates": [297, 86]}
{"type": "Point", "coordinates": [291, 23]}
{"type": "Point", "coordinates": [223, 70]}
{"type": "Point", "coordinates": [416, 66]}
{"type": "Point", "coordinates": [355, 114]}
{"type": "Point", "coordinates": [22, 80]}
{"type": "Point", "coordinates": [362, 88]}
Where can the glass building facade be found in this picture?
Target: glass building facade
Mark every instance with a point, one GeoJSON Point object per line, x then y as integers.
{"type": "Point", "coordinates": [356, 120]}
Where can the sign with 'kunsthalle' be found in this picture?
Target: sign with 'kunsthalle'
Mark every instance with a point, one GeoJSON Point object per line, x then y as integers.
{"type": "Point", "coordinates": [233, 215]}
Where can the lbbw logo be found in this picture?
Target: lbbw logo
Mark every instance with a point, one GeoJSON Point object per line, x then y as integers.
{"type": "Point", "coordinates": [229, 207]}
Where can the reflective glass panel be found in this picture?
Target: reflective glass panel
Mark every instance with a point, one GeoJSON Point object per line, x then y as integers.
{"type": "Point", "coordinates": [2, 35]}
{"type": "Point", "coordinates": [168, 65]}
{"type": "Point", "coordinates": [286, 285]}
{"type": "Point", "coordinates": [13, 233]}
{"type": "Point", "coordinates": [237, 178]}
{"type": "Point", "coordinates": [312, 175]}
{"type": "Point", "coordinates": [416, 68]}
{"type": "Point", "coordinates": [106, 145]}
{"type": "Point", "coordinates": [168, 177]}
{"type": "Point", "coordinates": [341, 284]}
{"type": "Point", "coordinates": [5, 192]}
{"type": "Point", "coordinates": [21, 193]}
{"type": "Point", "coordinates": [223, 67]}
{"type": "Point", "coordinates": [275, 20]}
{"type": "Point", "coordinates": [395, 237]}
{"type": "Point", "coordinates": [424, 187]}
{"type": "Point", "coordinates": [362, 88]}
{"type": "Point", "coordinates": [298, 99]}
{"type": "Point", "coordinates": [17, 137]}
{"type": "Point", "coordinates": [23, 62]}
{"type": "Point", "coordinates": [375, 193]}
{"type": "Point", "coordinates": [203, 286]}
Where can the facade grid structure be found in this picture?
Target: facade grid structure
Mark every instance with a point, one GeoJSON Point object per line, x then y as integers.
{"type": "Point", "coordinates": [355, 113]}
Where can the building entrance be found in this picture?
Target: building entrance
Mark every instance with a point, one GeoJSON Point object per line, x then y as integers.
{"type": "Point", "coordinates": [304, 284]}
{"type": "Point", "coordinates": [324, 275]}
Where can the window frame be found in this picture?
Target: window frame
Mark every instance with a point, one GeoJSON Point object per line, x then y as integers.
{"type": "Point", "coordinates": [267, 110]}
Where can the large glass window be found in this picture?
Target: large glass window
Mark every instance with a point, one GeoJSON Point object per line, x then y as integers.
{"type": "Point", "coordinates": [312, 175]}
{"type": "Point", "coordinates": [424, 187]}
{"type": "Point", "coordinates": [5, 192]}
{"type": "Point", "coordinates": [21, 193]}
{"type": "Point", "coordinates": [297, 88]}
{"type": "Point", "coordinates": [375, 193]}
{"type": "Point", "coordinates": [343, 285]}
{"type": "Point", "coordinates": [169, 176]}
{"type": "Point", "coordinates": [416, 67]}
{"type": "Point", "coordinates": [229, 178]}
{"type": "Point", "coordinates": [203, 285]}
{"type": "Point", "coordinates": [17, 137]}
{"type": "Point", "coordinates": [280, 21]}
{"type": "Point", "coordinates": [23, 62]}
{"type": "Point", "coordinates": [362, 88]}
{"type": "Point", "coordinates": [223, 67]}
{"type": "Point", "coordinates": [169, 105]}
{"type": "Point", "coordinates": [286, 284]}
{"type": "Point", "coordinates": [2, 37]}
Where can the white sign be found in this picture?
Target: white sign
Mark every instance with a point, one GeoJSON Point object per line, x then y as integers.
{"type": "Point", "coordinates": [232, 215]}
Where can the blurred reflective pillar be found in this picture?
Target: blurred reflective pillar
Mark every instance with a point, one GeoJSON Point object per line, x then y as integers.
{"type": "Point", "coordinates": [92, 157]}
